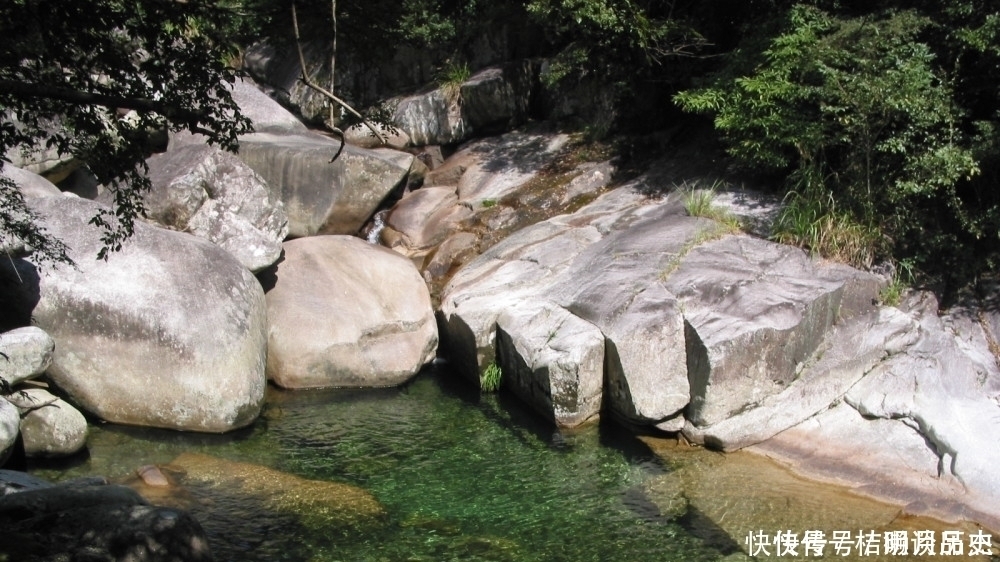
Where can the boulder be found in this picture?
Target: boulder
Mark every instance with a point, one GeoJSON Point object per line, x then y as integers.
{"type": "Point", "coordinates": [617, 284]}
{"type": "Point", "coordinates": [210, 193]}
{"type": "Point", "coordinates": [50, 426]}
{"type": "Point", "coordinates": [552, 360]}
{"type": "Point", "coordinates": [850, 351]}
{"type": "Point", "coordinates": [434, 117]}
{"type": "Point", "coordinates": [494, 100]}
{"type": "Point", "coordinates": [267, 114]}
{"type": "Point", "coordinates": [426, 217]}
{"type": "Point", "coordinates": [320, 196]}
{"type": "Point", "coordinates": [25, 353]}
{"type": "Point", "coordinates": [345, 313]}
{"type": "Point", "coordinates": [87, 520]}
{"type": "Point", "coordinates": [754, 310]}
{"type": "Point", "coordinates": [918, 429]}
{"type": "Point", "coordinates": [170, 331]}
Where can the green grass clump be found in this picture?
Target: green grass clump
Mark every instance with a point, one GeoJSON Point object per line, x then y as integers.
{"type": "Point", "coordinates": [489, 381]}
{"type": "Point", "coordinates": [815, 224]}
{"type": "Point", "coordinates": [700, 202]}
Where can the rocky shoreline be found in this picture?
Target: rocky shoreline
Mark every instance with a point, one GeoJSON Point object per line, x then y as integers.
{"type": "Point", "coordinates": [593, 297]}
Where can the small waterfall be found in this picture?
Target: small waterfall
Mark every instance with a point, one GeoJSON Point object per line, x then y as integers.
{"type": "Point", "coordinates": [376, 226]}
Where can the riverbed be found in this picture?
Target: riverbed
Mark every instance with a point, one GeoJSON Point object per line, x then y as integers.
{"type": "Point", "coordinates": [462, 476]}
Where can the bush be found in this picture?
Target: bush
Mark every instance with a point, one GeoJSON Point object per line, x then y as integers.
{"type": "Point", "coordinates": [859, 115]}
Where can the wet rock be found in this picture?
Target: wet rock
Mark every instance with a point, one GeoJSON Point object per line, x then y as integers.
{"type": "Point", "coordinates": [25, 353]}
{"type": "Point", "coordinates": [50, 426]}
{"type": "Point", "coordinates": [168, 332]}
{"type": "Point", "coordinates": [319, 503]}
{"type": "Point", "coordinates": [346, 313]}
{"type": "Point", "coordinates": [85, 520]}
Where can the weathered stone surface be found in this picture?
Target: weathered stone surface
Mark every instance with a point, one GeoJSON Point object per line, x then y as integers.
{"type": "Point", "coordinates": [504, 163]}
{"type": "Point", "coordinates": [30, 183]}
{"type": "Point", "coordinates": [918, 429]}
{"type": "Point", "coordinates": [754, 311]}
{"type": "Point", "coordinates": [361, 135]}
{"type": "Point", "coordinates": [513, 271]}
{"type": "Point", "coordinates": [88, 521]}
{"type": "Point", "coordinates": [494, 100]}
{"type": "Point", "coordinates": [617, 284]}
{"type": "Point", "coordinates": [426, 217]}
{"type": "Point", "coordinates": [50, 426]}
{"type": "Point", "coordinates": [321, 197]}
{"type": "Point", "coordinates": [552, 360]}
{"type": "Point", "coordinates": [433, 117]}
{"type": "Point", "coordinates": [848, 353]}
{"type": "Point", "coordinates": [204, 191]}
{"type": "Point", "coordinates": [267, 115]}
{"type": "Point", "coordinates": [346, 313]}
{"type": "Point", "coordinates": [168, 332]}
{"type": "Point", "coordinates": [25, 353]}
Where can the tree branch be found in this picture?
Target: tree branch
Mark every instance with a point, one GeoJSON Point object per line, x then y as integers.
{"type": "Point", "coordinates": [79, 97]}
{"type": "Point", "coordinates": [309, 82]}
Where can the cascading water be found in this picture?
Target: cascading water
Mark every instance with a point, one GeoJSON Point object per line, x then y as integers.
{"type": "Point", "coordinates": [376, 227]}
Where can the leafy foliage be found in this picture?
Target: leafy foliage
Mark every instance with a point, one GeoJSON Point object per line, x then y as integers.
{"type": "Point", "coordinates": [94, 80]}
{"type": "Point", "coordinates": [860, 115]}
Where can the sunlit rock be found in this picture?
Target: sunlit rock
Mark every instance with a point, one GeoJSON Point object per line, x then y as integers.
{"type": "Point", "coordinates": [346, 313]}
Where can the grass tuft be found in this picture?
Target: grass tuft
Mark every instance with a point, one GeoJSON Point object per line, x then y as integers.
{"type": "Point", "coordinates": [489, 381]}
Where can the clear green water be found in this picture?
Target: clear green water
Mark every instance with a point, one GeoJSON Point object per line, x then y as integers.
{"type": "Point", "coordinates": [461, 478]}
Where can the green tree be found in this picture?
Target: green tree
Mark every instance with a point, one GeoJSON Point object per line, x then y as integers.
{"type": "Point", "coordinates": [94, 79]}
{"type": "Point", "coordinates": [863, 115]}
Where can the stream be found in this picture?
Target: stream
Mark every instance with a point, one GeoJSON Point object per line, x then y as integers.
{"type": "Point", "coordinates": [467, 477]}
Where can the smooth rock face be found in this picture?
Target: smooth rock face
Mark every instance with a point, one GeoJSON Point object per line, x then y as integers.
{"type": "Point", "coordinates": [168, 332]}
{"type": "Point", "coordinates": [345, 313]}
{"type": "Point", "coordinates": [850, 351]}
{"type": "Point", "coordinates": [552, 360]}
{"type": "Point", "coordinates": [50, 427]}
{"type": "Point", "coordinates": [754, 311]}
{"type": "Point", "coordinates": [213, 194]}
{"type": "Point", "coordinates": [25, 353]}
{"type": "Point", "coordinates": [321, 197]}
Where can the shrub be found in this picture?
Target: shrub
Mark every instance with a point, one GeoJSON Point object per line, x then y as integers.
{"type": "Point", "coordinates": [489, 381]}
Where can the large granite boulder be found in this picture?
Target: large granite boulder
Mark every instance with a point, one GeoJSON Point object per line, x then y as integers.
{"type": "Point", "coordinates": [346, 313]}
{"type": "Point", "coordinates": [210, 193]}
{"type": "Point", "coordinates": [754, 311]}
{"type": "Point", "coordinates": [919, 427]}
{"type": "Point", "coordinates": [689, 312]}
{"type": "Point", "coordinates": [25, 353]}
{"type": "Point", "coordinates": [170, 331]}
{"type": "Point", "coordinates": [320, 196]}
{"type": "Point", "coordinates": [493, 100]}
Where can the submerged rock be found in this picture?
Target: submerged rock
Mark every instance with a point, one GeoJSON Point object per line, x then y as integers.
{"type": "Point", "coordinates": [91, 520]}
{"type": "Point", "coordinates": [321, 504]}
